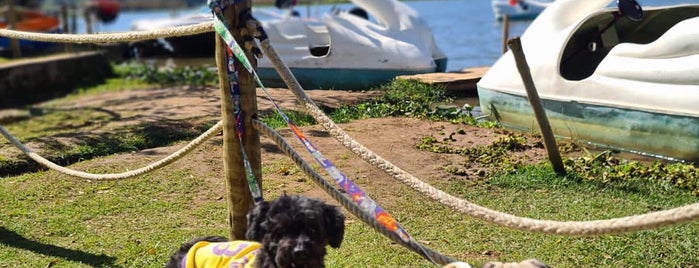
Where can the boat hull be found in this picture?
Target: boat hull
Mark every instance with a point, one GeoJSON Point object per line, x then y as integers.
{"type": "Point", "coordinates": [338, 50]}
{"type": "Point", "coordinates": [668, 136]}
{"type": "Point", "coordinates": [28, 47]}
{"type": "Point", "coordinates": [527, 11]}
{"type": "Point", "coordinates": [605, 79]}
{"type": "Point", "coordinates": [32, 21]}
{"type": "Point", "coordinates": [341, 79]}
{"type": "Point", "coordinates": [201, 45]}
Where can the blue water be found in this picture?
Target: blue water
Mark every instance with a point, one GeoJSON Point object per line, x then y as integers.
{"type": "Point", "coordinates": [465, 30]}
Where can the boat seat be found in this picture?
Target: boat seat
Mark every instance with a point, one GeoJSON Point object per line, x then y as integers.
{"type": "Point", "coordinates": [318, 36]}
{"type": "Point", "coordinates": [592, 41]}
{"type": "Point", "coordinates": [318, 40]}
{"type": "Point", "coordinates": [609, 38]}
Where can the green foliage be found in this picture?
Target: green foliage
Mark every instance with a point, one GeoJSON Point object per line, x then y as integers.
{"type": "Point", "coordinates": [401, 98]}
{"type": "Point", "coordinates": [193, 76]}
{"type": "Point", "coordinates": [275, 121]}
{"type": "Point", "coordinates": [602, 168]}
{"type": "Point", "coordinates": [606, 168]}
{"type": "Point", "coordinates": [495, 154]}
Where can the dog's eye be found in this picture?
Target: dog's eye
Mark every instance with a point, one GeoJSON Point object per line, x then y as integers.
{"type": "Point", "coordinates": [313, 232]}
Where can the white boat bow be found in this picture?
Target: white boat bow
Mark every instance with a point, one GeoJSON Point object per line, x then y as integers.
{"type": "Point", "coordinates": [607, 79]}
{"type": "Point", "coordinates": [338, 50]}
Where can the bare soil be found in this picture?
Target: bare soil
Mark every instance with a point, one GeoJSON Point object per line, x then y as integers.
{"type": "Point", "coordinates": [393, 139]}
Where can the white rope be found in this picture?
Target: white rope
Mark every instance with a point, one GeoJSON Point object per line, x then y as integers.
{"type": "Point", "coordinates": [111, 37]}
{"type": "Point", "coordinates": [617, 225]}
{"type": "Point", "coordinates": [596, 227]}
{"type": "Point", "coordinates": [114, 176]}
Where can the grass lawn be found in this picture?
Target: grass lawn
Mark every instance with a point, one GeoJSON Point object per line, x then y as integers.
{"type": "Point", "coordinates": [48, 219]}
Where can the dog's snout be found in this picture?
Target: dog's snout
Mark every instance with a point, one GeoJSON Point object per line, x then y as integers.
{"type": "Point", "coordinates": [302, 247]}
{"type": "Point", "coordinates": [300, 250]}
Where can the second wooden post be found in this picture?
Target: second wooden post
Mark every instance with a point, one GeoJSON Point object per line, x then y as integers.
{"type": "Point", "coordinates": [533, 97]}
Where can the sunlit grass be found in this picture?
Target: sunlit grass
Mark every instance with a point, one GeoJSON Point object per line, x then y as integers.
{"type": "Point", "coordinates": [52, 220]}
{"type": "Point", "coordinates": [138, 222]}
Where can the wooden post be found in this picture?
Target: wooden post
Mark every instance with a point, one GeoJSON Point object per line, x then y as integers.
{"type": "Point", "coordinates": [12, 22]}
{"type": "Point", "coordinates": [87, 13]}
{"type": "Point", "coordinates": [549, 140]}
{"type": "Point", "coordinates": [64, 16]}
{"type": "Point", "coordinates": [64, 19]}
{"type": "Point", "coordinates": [505, 32]}
{"type": "Point", "coordinates": [73, 18]}
{"type": "Point", "coordinates": [239, 198]}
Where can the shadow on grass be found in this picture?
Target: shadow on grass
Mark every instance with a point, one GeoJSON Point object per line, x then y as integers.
{"type": "Point", "coordinates": [89, 145]}
{"type": "Point", "coordinates": [15, 240]}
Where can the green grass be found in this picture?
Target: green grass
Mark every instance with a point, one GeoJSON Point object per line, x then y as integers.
{"type": "Point", "coordinates": [275, 121]}
{"type": "Point", "coordinates": [106, 224]}
{"type": "Point", "coordinates": [48, 217]}
{"type": "Point", "coordinates": [399, 98]}
{"type": "Point", "coordinates": [51, 220]}
{"type": "Point", "coordinates": [124, 139]}
{"type": "Point", "coordinates": [197, 76]}
{"type": "Point", "coordinates": [50, 120]}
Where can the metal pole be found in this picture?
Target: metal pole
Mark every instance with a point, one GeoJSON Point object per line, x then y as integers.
{"type": "Point", "coordinates": [12, 22]}
{"type": "Point", "coordinates": [239, 198]}
{"type": "Point", "coordinates": [64, 18]}
{"type": "Point", "coordinates": [87, 13]}
{"type": "Point", "coordinates": [549, 140]}
{"type": "Point", "coordinates": [73, 18]}
{"type": "Point", "coordinates": [505, 32]}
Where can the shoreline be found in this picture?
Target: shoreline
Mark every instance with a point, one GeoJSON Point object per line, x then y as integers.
{"type": "Point", "coordinates": [165, 4]}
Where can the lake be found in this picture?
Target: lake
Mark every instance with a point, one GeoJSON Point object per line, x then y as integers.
{"type": "Point", "coordinates": [466, 30]}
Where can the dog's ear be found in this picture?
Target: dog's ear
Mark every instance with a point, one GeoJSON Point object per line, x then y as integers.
{"type": "Point", "coordinates": [257, 218]}
{"type": "Point", "coordinates": [334, 225]}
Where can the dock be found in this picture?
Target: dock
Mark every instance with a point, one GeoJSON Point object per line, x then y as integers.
{"type": "Point", "coordinates": [457, 83]}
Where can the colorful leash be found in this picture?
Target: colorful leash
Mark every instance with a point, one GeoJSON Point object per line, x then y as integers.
{"type": "Point", "coordinates": [233, 52]}
{"type": "Point", "coordinates": [353, 190]}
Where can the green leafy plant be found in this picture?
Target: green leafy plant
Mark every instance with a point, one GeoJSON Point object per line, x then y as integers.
{"type": "Point", "coordinates": [194, 77]}
{"type": "Point", "coordinates": [274, 120]}
{"type": "Point", "coordinates": [406, 98]}
{"type": "Point", "coordinates": [496, 154]}
{"type": "Point", "coordinates": [604, 167]}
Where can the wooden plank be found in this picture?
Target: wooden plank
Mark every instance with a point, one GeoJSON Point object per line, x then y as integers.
{"type": "Point", "coordinates": [463, 81]}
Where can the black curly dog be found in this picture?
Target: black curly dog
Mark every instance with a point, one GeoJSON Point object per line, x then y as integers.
{"type": "Point", "coordinates": [290, 231]}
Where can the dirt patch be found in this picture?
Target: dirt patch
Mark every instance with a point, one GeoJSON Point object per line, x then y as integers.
{"type": "Point", "coordinates": [394, 139]}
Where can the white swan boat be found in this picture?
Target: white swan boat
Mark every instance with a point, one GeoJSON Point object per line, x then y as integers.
{"type": "Point", "coordinates": [518, 9]}
{"type": "Point", "coordinates": [626, 82]}
{"type": "Point", "coordinates": [339, 50]}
